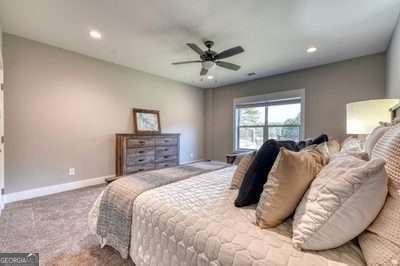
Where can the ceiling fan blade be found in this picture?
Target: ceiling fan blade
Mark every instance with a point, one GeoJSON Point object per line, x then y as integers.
{"type": "Point", "coordinates": [227, 65]}
{"type": "Point", "coordinates": [203, 71]}
{"type": "Point", "coordinates": [186, 62]}
{"type": "Point", "coordinates": [195, 48]}
{"type": "Point", "coordinates": [230, 52]}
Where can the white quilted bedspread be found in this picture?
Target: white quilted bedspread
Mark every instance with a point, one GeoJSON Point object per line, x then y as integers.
{"type": "Point", "coordinates": [194, 222]}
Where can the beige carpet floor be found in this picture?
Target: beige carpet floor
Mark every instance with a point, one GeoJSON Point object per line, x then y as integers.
{"type": "Point", "coordinates": [56, 227]}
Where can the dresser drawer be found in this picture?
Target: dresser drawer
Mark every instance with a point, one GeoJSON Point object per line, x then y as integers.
{"type": "Point", "coordinates": [166, 140]}
{"type": "Point", "coordinates": [130, 161]}
{"type": "Point", "coordinates": [140, 142]}
{"type": "Point", "coordinates": [166, 150]}
{"type": "Point", "coordinates": [166, 164]}
{"type": "Point", "coordinates": [140, 152]}
{"type": "Point", "coordinates": [139, 168]}
{"type": "Point", "coordinates": [163, 158]}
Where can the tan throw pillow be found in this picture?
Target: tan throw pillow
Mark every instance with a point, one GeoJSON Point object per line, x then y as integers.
{"type": "Point", "coordinates": [373, 138]}
{"type": "Point", "coordinates": [328, 149]}
{"type": "Point", "coordinates": [287, 182]}
{"type": "Point", "coordinates": [241, 170]}
{"type": "Point", "coordinates": [380, 243]}
{"type": "Point", "coordinates": [240, 156]}
{"type": "Point", "coordinates": [342, 201]}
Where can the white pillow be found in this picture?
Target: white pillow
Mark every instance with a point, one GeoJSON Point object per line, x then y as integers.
{"type": "Point", "coordinates": [352, 144]}
{"type": "Point", "coordinates": [342, 201]}
{"type": "Point", "coordinates": [373, 138]}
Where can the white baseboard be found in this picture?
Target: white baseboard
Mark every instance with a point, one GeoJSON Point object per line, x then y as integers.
{"type": "Point", "coordinates": [1, 203]}
{"type": "Point", "coordinates": [44, 191]}
{"type": "Point", "coordinates": [194, 161]}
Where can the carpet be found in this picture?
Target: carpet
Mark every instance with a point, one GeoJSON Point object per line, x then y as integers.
{"type": "Point", "coordinates": [56, 227]}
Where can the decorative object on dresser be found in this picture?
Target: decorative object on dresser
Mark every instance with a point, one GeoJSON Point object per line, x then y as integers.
{"type": "Point", "coordinates": [136, 153]}
{"type": "Point", "coordinates": [395, 111]}
{"type": "Point", "coordinates": [146, 121]}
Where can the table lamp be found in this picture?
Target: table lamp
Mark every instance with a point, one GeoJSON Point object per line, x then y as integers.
{"type": "Point", "coordinates": [362, 117]}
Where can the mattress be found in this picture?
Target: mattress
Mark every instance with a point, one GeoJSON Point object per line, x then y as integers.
{"type": "Point", "coordinates": [194, 222]}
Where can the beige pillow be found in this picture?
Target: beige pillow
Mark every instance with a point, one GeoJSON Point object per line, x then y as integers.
{"type": "Point", "coordinates": [287, 181]}
{"type": "Point", "coordinates": [333, 147]}
{"type": "Point", "coordinates": [373, 138]}
{"type": "Point", "coordinates": [241, 170]}
{"type": "Point", "coordinates": [342, 201]}
{"type": "Point", "coordinates": [380, 243]}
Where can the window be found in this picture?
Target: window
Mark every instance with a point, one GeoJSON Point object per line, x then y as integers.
{"type": "Point", "coordinates": [256, 123]}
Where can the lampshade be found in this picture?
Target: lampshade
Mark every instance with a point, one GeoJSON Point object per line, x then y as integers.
{"type": "Point", "coordinates": [362, 117]}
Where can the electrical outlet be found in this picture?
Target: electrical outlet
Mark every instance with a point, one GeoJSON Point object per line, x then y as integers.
{"type": "Point", "coordinates": [71, 171]}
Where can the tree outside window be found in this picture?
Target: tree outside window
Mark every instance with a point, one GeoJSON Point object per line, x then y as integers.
{"type": "Point", "coordinates": [257, 124]}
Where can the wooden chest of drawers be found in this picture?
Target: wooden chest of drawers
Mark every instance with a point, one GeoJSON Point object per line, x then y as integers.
{"type": "Point", "coordinates": [137, 153]}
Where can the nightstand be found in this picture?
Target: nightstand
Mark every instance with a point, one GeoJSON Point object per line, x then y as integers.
{"type": "Point", "coordinates": [231, 157]}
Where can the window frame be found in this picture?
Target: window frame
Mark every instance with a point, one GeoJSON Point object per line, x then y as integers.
{"type": "Point", "coordinates": [266, 126]}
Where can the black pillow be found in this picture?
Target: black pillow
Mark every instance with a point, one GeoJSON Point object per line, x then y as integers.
{"type": "Point", "coordinates": [321, 139]}
{"type": "Point", "coordinates": [304, 143]}
{"type": "Point", "coordinates": [288, 144]}
{"type": "Point", "coordinates": [257, 174]}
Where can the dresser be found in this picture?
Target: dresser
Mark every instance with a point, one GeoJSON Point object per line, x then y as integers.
{"type": "Point", "coordinates": [136, 153]}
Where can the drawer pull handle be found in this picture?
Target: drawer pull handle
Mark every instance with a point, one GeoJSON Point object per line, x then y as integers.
{"type": "Point", "coordinates": [166, 165]}
{"type": "Point", "coordinates": [141, 152]}
{"type": "Point", "coordinates": [141, 160]}
{"type": "Point", "coordinates": [165, 149]}
{"type": "Point", "coordinates": [166, 156]}
{"type": "Point", "coordinates": [140, 170]}
{"type": "Point", "coordinates": [166, 141]}
{"type": "Point", "coordinates": [142, 142]}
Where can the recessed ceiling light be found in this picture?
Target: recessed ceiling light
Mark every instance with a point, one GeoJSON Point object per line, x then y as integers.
{"type": "Point", "coordinates": [95, 34]}
{"type": "Point", "coordinates": [210, 77]}
{"type": "Point", "coordinates": [312, 50]}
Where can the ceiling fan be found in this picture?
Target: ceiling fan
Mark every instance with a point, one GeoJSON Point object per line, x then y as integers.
{"type": "Point", "coordinates": [209, 58]}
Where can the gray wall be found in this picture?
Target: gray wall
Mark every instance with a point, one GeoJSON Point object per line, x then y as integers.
{"type": "Point", "coordinates": [62, 110]}
{"type": "Point", "coordinates": [1, 48]}
{"type": "Point", "coordinates": [393, 66]}
{"type": "Point", "coordinates": [328, 89]}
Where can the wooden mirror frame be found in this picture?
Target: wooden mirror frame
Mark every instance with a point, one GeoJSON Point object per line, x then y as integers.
{"type": "Point", "coordinates": [143, 132]}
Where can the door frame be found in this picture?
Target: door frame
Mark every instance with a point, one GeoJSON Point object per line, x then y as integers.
{"type": "Point", "coordinates": [2, 175]}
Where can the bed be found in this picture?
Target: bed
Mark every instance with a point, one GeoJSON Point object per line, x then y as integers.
{"type": "Point", "coordinates": [194, 222]}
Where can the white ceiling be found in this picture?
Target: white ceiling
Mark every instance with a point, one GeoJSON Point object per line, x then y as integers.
{"type": "Point", "coordinates": [149, 35]}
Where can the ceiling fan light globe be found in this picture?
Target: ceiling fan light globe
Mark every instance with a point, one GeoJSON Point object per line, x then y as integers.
{"type": "Point", "coordinates": [207, 64]}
